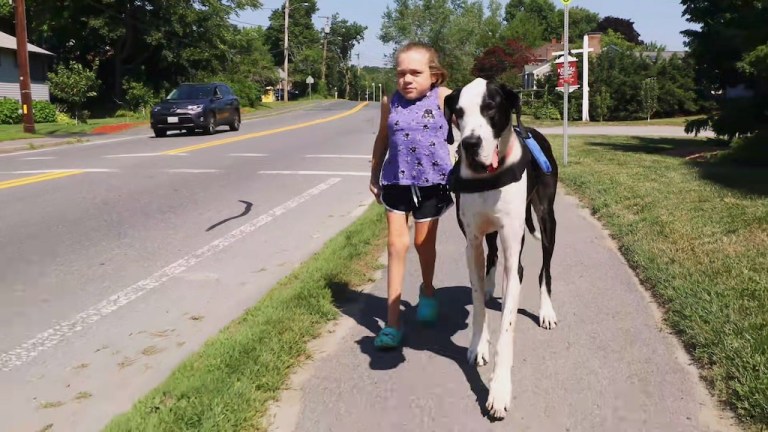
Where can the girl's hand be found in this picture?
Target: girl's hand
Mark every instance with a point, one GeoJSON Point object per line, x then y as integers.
{"type": "Point", "coordinates": [375, 189]}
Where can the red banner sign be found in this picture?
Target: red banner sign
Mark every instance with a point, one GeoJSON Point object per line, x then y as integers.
{"type": "Point", "coordinates": [572, 79]}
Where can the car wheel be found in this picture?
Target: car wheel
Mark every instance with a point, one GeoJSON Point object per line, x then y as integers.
{"type": "Point", "coordinates": [235, 125]}
{"type": "Point", "coordinates": [160, 133]}
{"type": "Point", "coordinates": [210, 124]}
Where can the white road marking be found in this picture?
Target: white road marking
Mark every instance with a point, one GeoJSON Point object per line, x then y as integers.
{"type": "Point", "coordinates": [142, 155]}
{"type": "Point", "coordinates": [78, 144]}
{"type": "Point", "coordinates": [351, 173]}
{"type": "Point", "coordinates": [39, 158]}
{"type": "Point", "coordinates": [59, 170]}
{"type": "Point", "coordinates": [47, 339]}
{"type": "Point", "coordinates": [192, 170]}
{"type": "Point", "coordinates": [339, 156]}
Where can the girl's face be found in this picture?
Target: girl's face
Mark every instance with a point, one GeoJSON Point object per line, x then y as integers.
{"type": "Point", "coordinates": [413, 77]}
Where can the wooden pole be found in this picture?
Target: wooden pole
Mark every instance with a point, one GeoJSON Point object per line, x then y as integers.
{"type": "Point", "coordinates": [22, 57]}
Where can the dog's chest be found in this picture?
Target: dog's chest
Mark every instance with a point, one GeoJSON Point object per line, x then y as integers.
{"type": "Point", "coordinates": [495, 208]}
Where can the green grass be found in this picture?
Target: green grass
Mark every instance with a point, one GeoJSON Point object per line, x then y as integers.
{"type": "Point", "coordinates": [43, 130]}
{"type": "Point", "coordinates": [228, 384]}
{"type": "Point", "coordinates": [696, 233]}
{"type": "Point", "coordinates": [674, 121]}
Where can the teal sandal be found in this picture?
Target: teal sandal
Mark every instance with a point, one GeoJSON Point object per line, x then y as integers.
{"type": "Point", "coordinates": [388, 337]}
{"type": "Point", "coordinates": [427, 309]}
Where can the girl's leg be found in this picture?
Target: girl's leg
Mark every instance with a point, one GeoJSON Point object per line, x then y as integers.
{"type": "Point", "coordinates": [425, 237]}
{"type": "Point", "coordinates": [397, 246]}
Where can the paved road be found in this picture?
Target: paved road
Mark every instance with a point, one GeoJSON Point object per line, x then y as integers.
{"type": "Point", "coordinates": [125, 259]}
{"type": "Point", "coordinates": [609, 365]}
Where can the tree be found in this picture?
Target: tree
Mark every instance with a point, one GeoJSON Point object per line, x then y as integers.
{"type": "Point", "coordinates": [540, 14]}
{"type": "Point", "coordinates": [342, 39]}
{"type": "Point", "coordinates": [620, 72]}
{"type": "Point", "coordinates": [729, 51]}
{"type": "Point", "coordinates": [497, 60]}
{"type": "Point", "coordinates": [650, 96]}
{"type": "Point", "coordinates": [74, 85]}
{"type": "Point", "coordinates": [580, 22]}
{"type": "Point", "coordinates": [623, 26]}
{"type": "Point", "coordinates": [602, 103]}
{"type": "Point", "coordinates": [455, 28]}
{"type": "Point", "coordinates": [167, 40]}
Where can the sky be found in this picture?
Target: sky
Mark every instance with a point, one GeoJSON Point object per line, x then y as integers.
{"type": "Point", "coordinates": [656, 20]}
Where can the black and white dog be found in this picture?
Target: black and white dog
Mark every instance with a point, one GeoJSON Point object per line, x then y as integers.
{"type": "Point", "coordinates": [496, 182]}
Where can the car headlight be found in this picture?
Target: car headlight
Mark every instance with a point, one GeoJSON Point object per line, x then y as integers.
{"type": "Point", "coordinates": [194, 108]}
{"type": "Point", "coordinates": [156, 109]}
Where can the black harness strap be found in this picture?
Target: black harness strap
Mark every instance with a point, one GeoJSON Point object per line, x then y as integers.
{"type": "Point", "coordinates": [509, 174]}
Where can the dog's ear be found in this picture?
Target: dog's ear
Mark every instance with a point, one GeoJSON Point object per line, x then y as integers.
{"type": "Point", "coordinates": [449, 108]}
{"type": "Point", "coordinates": [515, 103]}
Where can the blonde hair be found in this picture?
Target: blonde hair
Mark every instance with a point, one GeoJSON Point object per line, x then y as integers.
{"type": "Point", "coordinates": [435, 68]}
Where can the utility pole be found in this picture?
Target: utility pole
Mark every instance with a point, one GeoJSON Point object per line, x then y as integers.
{"type": "Point", "coordinates": [567, 75]}
{"type": "Point", "coordinates": [285, 53]}
{"type": "Point", "coordinates": [326, 32]}
{"type": "Point", "coordinates": [22, 57]}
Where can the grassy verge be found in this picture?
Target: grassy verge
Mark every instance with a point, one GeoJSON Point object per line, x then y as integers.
{"type": "Point", "coordinates": [229, 382]}
{"type": "Point", "coordinates": [696, 234]}
{"type": "Point", "coordinates": [674, 121]}
{"type": "Point", "coordinates": [42, 130]}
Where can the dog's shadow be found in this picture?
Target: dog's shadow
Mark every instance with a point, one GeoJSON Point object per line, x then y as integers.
{"type": "Point", "coordinates": [455, 302]}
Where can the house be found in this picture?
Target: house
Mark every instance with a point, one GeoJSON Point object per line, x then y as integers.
{"type": "Point", "coordinates": [541, 62]}
{"type": "Point", "coordinates": [40, 62]}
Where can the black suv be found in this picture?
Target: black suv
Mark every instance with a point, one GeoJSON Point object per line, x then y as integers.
{"type": "Point", "coordinates": [193, 106]}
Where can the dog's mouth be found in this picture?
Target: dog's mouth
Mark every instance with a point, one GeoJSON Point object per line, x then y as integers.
{"type": "Point", "coordinates": [476, 165]}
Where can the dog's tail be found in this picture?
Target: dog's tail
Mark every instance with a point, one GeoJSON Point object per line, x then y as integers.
{"type": "Point", "coordinates": [529, 222]}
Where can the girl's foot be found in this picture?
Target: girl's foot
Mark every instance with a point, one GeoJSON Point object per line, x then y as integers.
{"type": "Point", "coordinates": [388, 338]}
{"type": "Point", "coordinates": [427, 310]}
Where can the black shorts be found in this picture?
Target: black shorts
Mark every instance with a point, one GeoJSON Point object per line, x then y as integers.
{"type": "Point", "coordinates": [425, 202]}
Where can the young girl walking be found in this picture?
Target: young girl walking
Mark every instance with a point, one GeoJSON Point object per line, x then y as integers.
{"type": "Point", "coordinates": [409, 171]}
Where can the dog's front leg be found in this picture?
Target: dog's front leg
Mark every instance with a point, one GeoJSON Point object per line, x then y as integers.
{"type": "Point", "coordinates": [500, 392]}
{"type": "Point", "coordinates": [478, 352]}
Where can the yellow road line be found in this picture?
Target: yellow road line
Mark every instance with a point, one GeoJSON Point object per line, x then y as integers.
{"type": "Point", "coordinates": [263, 133]}
{"type": "Point", "coordinates": [37, 178]}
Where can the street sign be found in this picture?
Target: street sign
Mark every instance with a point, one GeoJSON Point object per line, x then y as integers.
{"type": "Point", "coordinates": [310, 80]}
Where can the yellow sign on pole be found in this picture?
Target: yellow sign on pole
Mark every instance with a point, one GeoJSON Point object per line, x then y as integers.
{"type": "Point", "coordinates": [565, 2]}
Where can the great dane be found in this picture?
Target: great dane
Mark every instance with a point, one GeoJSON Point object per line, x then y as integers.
{"type": "Point", "coordinates": [497, 181]}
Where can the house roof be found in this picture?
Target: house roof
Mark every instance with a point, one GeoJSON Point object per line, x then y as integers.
{"type": "Point", "coordinates": [9, 42]}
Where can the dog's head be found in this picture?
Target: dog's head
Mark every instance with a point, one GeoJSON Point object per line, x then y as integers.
{"type": "Point", "coordinates": [483, 110]}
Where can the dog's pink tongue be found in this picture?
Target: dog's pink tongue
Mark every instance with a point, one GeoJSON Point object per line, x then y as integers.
{"type": "Point", "coordinates": [495, 160]}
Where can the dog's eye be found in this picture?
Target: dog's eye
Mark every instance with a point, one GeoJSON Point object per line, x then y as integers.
{"type": "Point", "coordinates": [488, 106]}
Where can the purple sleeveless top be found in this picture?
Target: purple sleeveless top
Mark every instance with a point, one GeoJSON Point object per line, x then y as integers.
{"type": "Point", "coordinates": [418, 152]}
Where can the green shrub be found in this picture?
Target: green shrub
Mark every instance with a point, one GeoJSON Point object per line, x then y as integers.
{"type": "Point", "coordinates": [44, 111]}
{"type": "Point", "coordinates": [64, 118]}
{"type": "Point", "coordinates": [10, 111]}
{"type": "Point", "coordinates": [248, 92]}
{"type": "Point", "coordinates": [545, 111]}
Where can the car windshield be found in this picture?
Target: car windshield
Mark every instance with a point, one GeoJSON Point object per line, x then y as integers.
{"type": "Point", "coordinates": [186, 92]}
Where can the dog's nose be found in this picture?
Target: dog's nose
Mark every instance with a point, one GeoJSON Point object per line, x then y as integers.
{"type": "Point", "coordinates": [471, 143]}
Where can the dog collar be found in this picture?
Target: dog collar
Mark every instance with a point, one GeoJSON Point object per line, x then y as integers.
{"type": "Point", "coordinates": [500, 178]}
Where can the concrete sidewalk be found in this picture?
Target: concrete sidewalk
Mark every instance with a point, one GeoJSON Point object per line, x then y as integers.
{"type": "Point", "coordinates": [608, 366]}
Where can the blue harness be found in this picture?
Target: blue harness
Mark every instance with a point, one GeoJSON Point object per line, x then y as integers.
{"type": "Point", "coordinates": [535, 149]}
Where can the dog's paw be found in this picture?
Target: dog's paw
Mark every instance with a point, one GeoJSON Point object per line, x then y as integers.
{"type": "Point", "coordinates": [479, 354]}
{"type": "Point", "coordinates": [547, 317]}
{"type": "Point", "coordinates": [499, 396]}
{"type": "Point", "coordinates": [537, 235]}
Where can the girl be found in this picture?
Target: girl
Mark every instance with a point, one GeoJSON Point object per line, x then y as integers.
{"type": "Point", "coordinates": [412, 179]}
